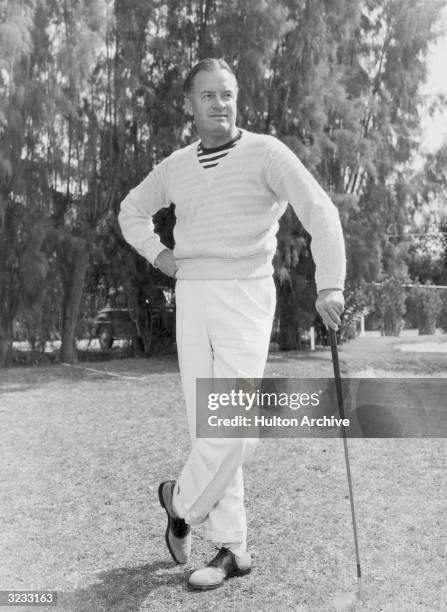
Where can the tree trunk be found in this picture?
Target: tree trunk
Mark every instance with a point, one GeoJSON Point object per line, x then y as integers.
{"type": "Point", "coordinates": [5, 344]}
{"type": "Point", "coordinates": [6, 326]}
{"type": "Point", "coordinates": [74, 270]}
{"type": "Point", "coordinates": [288, 336]}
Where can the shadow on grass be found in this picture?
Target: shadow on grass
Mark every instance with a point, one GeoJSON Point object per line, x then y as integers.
{"type": "Point", "coordinates": [123, 589]}
{"type": "Point", "coordinates": [16, 388]}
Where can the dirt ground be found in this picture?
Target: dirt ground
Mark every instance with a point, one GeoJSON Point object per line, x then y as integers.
{"type": "Point", "coordinates": [84, 447]}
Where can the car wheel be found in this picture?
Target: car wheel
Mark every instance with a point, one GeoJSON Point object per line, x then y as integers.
{"type": "Point", "coordinates": [105, 337]}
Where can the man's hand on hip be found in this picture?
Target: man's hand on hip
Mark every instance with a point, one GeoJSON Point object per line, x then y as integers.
{"type": "Point", "coordinates": [165, 262]}
{"type": "Point", "coordinates": [330, 304]}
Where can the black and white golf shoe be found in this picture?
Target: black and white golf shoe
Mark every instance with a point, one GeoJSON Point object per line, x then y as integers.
{"type": "Point", "coordinates": [178, 533]}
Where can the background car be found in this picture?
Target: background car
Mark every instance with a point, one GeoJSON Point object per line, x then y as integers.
{"type": "Point", "coordinates": [112, 323]}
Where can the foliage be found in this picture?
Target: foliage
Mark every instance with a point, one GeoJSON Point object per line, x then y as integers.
{"type": "Point", "coordinates": [427, 253]}
{"type": "Point", "coordinates": [296, 291]}
{"type": "Point", "coordinates": [426, 259]}
{"type": "Point", "coordinates": [425, 305]}
{"type": "Point", "coordinates": [294, 311]}
{"type": "Point", "coordinates": [358, 301]}
{"type": "Point", "coordinates": [389, 306]}
{"type": "Point", "coordinates": [45, 164]}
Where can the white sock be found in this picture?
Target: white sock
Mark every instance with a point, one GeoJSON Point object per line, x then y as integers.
{"type": "Point", "coordinates": [237, 548]}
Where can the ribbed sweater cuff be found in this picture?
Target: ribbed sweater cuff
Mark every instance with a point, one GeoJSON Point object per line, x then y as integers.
{"type": "Point", "coordinates": [326, 281]}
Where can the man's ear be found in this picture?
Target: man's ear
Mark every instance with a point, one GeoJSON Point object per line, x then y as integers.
{"type": "Point", "coordinates": [188, 106]}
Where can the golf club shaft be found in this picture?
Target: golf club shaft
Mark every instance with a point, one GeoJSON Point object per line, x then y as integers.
{"type": "Point", "coordinates": [341, 409]}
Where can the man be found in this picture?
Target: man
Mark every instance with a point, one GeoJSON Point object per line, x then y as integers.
{"type": "Point", "coordinates": [229, 191]}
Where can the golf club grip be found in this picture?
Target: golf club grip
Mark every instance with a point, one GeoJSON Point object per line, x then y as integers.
{"type": "Point", "coordinates": [335, 362]}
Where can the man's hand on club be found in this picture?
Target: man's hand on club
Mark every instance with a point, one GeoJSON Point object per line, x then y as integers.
{"type": "Point", "coordinates": [165, 262]}
{"type": "Point", "coordinates": [330, 305]}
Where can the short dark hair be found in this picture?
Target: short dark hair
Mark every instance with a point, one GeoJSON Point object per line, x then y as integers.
{"type": "Point", "coordinates": [209, 63]}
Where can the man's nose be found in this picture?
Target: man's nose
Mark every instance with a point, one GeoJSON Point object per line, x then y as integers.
{"type": "Point", "coordinates": [219, 102]}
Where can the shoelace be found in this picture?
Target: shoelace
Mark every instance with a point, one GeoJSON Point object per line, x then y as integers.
{"type": "Point", "coordinates": [222, 553]}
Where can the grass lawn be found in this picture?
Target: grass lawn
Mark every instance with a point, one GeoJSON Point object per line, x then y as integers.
{"type": "Point", "coordinates": [84, 448]}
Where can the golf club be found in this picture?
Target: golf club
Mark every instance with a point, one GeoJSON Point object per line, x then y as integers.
{"type": "Point", "coordinates": [345, 600]}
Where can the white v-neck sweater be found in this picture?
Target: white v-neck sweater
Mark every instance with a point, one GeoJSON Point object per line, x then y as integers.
{"type": "Point", "coordinates": [227, 219]}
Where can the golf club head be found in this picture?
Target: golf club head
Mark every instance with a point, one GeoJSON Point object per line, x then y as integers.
{"type": "Point", "coordinates": [348, 600]}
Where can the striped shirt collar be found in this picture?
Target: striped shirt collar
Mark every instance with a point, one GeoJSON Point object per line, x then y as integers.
{"type": "Point", "coordinates": [226, 145]}
{"type": "Point", "coordinates": [210, 157]}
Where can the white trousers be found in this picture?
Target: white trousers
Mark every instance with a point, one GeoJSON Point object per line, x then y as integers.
{"type": "Point", "coordinates": [223, 331]}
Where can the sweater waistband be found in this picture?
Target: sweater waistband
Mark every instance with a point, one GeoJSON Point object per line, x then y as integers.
{"type": "Point", "coordinates": [207, 268]}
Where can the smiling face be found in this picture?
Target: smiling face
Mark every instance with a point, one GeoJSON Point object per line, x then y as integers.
{"type": "Point", "coordinates": [212, 101]}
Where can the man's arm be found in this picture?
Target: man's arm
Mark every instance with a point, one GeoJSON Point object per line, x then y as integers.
{"type": "Point", "coordinates": [135, 218]}
{"type": "Point", "coordinates": [292, 182]}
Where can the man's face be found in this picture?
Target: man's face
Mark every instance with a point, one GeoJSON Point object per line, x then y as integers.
{"type": "Point", "coordinates": [212, 101]}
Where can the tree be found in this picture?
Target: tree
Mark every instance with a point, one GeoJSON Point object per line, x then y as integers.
{"type": "Point", "coordinates": [43, 141]}
{"type": "Point", "coordinates": [350, 111]}
{"type": "Point", "coordinates": [389, 306]}
{"type": "Point", "coordinates": [425, 304]}
{"type": "Point", "coordinates": [15, 172]}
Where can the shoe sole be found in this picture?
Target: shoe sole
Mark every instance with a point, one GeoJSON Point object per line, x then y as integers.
{"type": "Point", "coordinates": [210, 587]}
{"type": "Point", "coordinates": [168, 528]}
